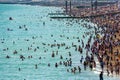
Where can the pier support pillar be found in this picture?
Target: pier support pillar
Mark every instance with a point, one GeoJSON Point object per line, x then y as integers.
{"type": "Point", "coordinates": [66, 7]}
{"type": "Point", "coordinates": [70, 8]}
{"type": "Point", "coordinates": [96, 4]}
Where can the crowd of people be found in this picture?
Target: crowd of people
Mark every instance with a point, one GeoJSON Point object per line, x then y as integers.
{"type": "Point", "coordinates": [107, 47]}
{"type": "Point", "coordinates": [88, 11]}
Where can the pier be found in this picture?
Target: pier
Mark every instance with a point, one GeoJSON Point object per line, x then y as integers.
{"type": "Point", "coordinates": [56, 14]}
{"type": "Point", "coordinates": [89, 16]}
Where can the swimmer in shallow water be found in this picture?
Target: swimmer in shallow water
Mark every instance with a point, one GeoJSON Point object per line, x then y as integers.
{"type": "Point", "coordinates": [36, 66]}
{"type": "Point", "coordinates": [19, 69]}
{"type": "Point", "coordinates": [48, 64]}
{"type": "Point", "coordinates": [53, 55]}
{"type": "Point", "coordinates": [56, 65]}
{"type": "Point", "coordinates": [7, 57]}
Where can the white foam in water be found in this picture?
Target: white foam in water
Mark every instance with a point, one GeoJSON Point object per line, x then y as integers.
{"type": "Point", "coordinates": [36, 21]}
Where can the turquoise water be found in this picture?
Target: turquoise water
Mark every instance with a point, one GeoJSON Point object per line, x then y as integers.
{"type": "Point", "coordinates": [31, 27]}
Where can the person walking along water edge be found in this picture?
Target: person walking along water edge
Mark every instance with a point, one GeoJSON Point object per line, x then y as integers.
{"type": "Point", "coordinates": [101, 75]}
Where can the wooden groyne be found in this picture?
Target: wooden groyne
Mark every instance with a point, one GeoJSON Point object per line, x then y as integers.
{"type": "Point", "coordinates": [88, 16]}
{"type": "Point", "coordinates": [56, 14]}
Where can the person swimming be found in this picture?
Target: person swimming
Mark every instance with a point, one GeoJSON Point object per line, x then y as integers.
{"type": "Point", "coordinates": [36, 66]}
{"type": "Point", "coordinates": [7, 57]}
{"type": "Point", "coordinates": [19, 69]}
{"type": "Point", "coordinates": [61, 57]}
{"type": "Point", "coordinates": [53, 55]}
{"type": "Point", "coordinates": [56, 65]}
{"type": "Point", "coordinates": [10, 18]}
{"type": "Point", "coordinates": [48, 64]}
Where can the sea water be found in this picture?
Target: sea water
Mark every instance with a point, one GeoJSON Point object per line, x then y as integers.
{"type": "Point", "coordinates": [32, 27]}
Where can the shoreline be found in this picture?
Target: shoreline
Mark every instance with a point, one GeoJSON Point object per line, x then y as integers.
{"type": "Point", "coordinates": [100, 39]}
{"type": "Point", "coordinates": [108, 45]}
